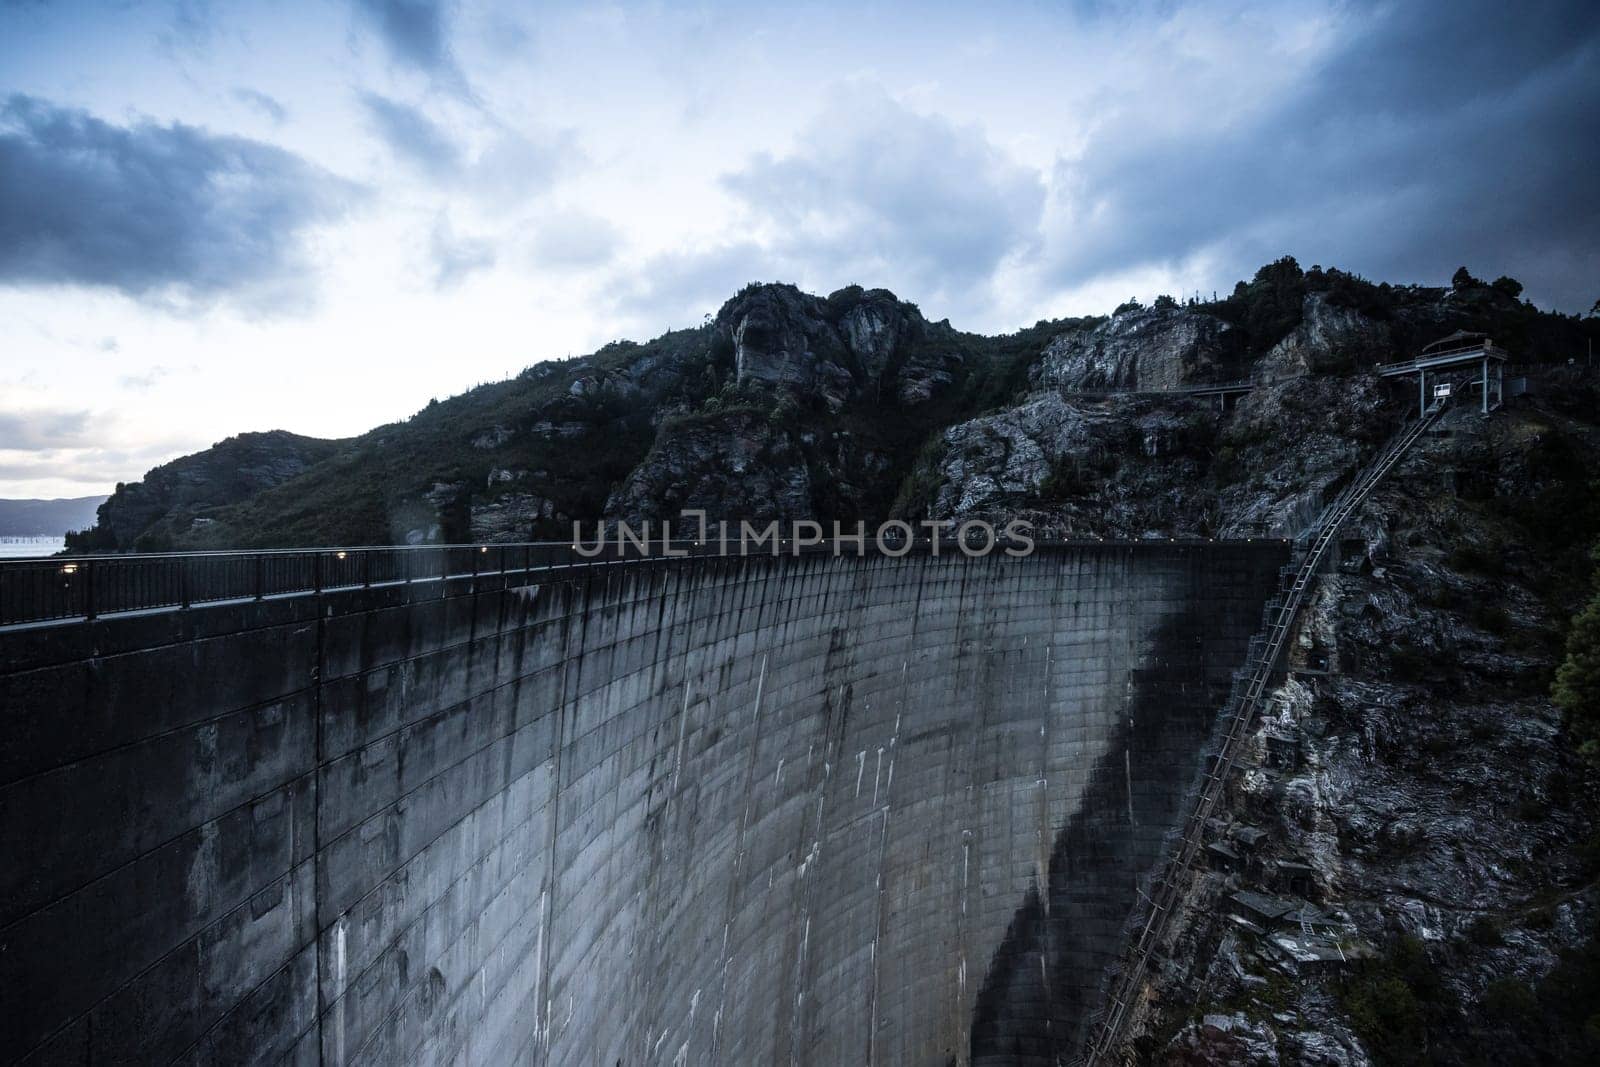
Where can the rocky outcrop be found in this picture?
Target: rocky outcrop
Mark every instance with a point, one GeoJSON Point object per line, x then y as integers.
{"type": "Point", "coordinates": [1289, 447]}
{"type": "Point", "coordinates": [857, 343]}
{"type": "Point", "coordinates": [511, 516]}
{"type": "Point", "coordinates": [1142, 349]}
{"type": "Point", "coordinates": [781, 337]}
{"type": "Point", "coordinates": [736, 466]}
{"type": "Point", "coordinates": [1330, 338]}
{"type": "Point", "coordinates": [1224, 1039]}
{"type": "Point", "coordinates": [1136, 466]}
{"type": "Point", "coordinates": [1124, 467]}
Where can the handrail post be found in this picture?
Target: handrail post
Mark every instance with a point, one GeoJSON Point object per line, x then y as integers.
{"type": "Point", "coordinates": [260, 565]}
{"type": "Point", "coordinates": [88, 589]}
{"type": "Point", "coordinates": [316, 572]}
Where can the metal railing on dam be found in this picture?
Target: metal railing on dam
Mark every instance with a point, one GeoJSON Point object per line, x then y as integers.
{"type": "Point", "coordinates": [85, 587]}
{"type": "Point", "coordinates": [64, 588]}
{"type": "Point", "coordinates": [707, 810]}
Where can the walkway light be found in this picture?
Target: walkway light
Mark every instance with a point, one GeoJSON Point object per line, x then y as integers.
{"type": "Point", "coordinates": [69, 568]}
{"type": "Point", "coordinates": [338, 555]}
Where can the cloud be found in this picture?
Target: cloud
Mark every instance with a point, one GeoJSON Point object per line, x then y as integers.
{"type": "Point", "coordinates": [415, 34]}
{"type": "Point", "coordinates": [456, 257]}
{"type": "Point", "coordinates": [96, 467]}
{"type": "Point", "coordinates": [412, 137]}
{"type": "Point", "coordinates": [36, 431]}
{"type": "Point", "coordinates": [152, 376]}
{"type": "Point", "coordinates": [516, 166]}
{"type": "Point", "coordinates": [192, 28]}
{"type": "Point", "coordinates": [880, 194]}
{"type": "Point", "coordinates": [169, 214]}
{"type": "Point", "coordinates": [575, 240]}
{"type": "Point", "coordinates": [511, 166]}
{"type": "Point", "coordinates": [1428, 136]}
{"type": "Point", "coordinates": [680, 286]}
{"type": "Point", "coordinates": [267, 105]}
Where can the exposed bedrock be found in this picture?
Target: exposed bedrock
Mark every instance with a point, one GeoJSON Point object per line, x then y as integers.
{"type": "Point", "coordinates": [729, 811]}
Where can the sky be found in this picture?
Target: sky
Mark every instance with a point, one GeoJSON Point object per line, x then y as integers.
{"type": "Point", "coordinates": [316, 215]}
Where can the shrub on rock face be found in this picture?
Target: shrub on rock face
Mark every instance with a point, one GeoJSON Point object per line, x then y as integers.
{"type": "Point", "coordinates": [1508, 1000]}
{"type": "Point", "coordinates": [1485, 931]}
{"type": "Point", "coordinates": [1392, 1001]}
{"type": "Point", "coordinates": [1577, 687]}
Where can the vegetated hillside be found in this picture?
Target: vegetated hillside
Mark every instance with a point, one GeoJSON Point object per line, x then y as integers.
{"type": "Point", "coordinates": [848, 407]}
{"type": "Point", "coordinates": [47, 518]}
{"type": "Point", "coordinates": [841, 391]}
{"type": "Point", "coordinates": [172, 501]}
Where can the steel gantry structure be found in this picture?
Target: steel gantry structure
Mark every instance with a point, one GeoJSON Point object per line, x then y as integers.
{"type": "Point", "coordinates": [1460, 349]}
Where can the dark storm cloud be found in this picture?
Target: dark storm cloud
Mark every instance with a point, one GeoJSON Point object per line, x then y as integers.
{"type": "Point", "coordinates": [153, 211]}
{"type": "Point", "coordinates": [412, 136]}
{"type": "Point", "coordinates": [1437, 134]}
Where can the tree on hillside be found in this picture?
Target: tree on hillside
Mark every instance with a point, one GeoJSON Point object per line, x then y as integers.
{"type": "Point", "coordinates": [1463, 279]}
{"type": "Point", "coordinates": [1269, 305]}
{"type": "Point", "coordinates": [1577, 686]}
{"type": "Point", "coordinates": [1509, 286]}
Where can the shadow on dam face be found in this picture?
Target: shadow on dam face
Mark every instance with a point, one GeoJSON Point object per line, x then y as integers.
{"type": "Point", "coordinates": [730, 811]}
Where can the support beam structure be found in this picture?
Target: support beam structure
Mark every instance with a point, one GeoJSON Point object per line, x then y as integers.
{"type": "Point", "coordinates": [1481, 356]}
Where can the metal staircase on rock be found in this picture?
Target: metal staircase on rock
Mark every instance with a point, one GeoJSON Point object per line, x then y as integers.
{"type": "Point", "coordinates": [1249, 690]}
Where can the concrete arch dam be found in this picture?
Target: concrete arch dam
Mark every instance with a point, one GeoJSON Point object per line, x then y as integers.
{"type": "Point", "coordinates": [736, 811]}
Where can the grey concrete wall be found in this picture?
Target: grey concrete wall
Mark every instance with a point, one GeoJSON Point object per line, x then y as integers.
{"type": "Point", "coordinates": [735, 811]}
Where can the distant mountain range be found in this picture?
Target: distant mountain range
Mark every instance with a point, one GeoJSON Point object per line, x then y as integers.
{"type": "Point", "coordinates": [47, 518]}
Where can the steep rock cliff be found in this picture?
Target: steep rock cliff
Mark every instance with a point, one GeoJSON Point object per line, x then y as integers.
{"type": "Point", "coordinates": [1142, 349]}
{"type": "Point", "coordinates": [1412, 787]}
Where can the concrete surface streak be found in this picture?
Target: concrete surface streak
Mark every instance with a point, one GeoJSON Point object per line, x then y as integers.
{"type": "Point", "coordinates": [708, 811]}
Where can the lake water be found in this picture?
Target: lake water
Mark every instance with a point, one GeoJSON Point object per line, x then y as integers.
{"type": "Point", "coordinates": [30, 547]}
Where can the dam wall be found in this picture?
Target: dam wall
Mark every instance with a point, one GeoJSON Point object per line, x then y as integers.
{"type": "Point", "coordinates": [806, 810]}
